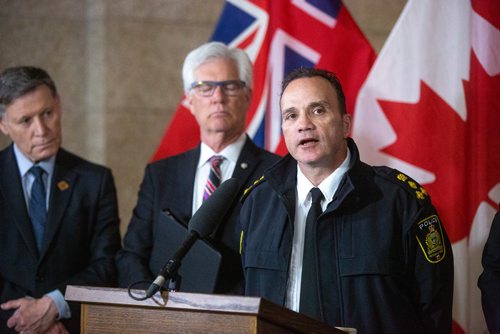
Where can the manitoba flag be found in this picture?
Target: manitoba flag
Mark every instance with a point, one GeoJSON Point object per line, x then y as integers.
{"type": "Point", "coordinates": [280, 36]}
{"type": "Point", "coordinates": [431, 108]}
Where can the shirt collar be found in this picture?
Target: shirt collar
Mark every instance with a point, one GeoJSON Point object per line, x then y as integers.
{"type": "Point", "coordinates": [25, 164]}
{"type": "Point", "coordinates": [231, 152]}
{"type": "Point", "coordinates": [328, 186]}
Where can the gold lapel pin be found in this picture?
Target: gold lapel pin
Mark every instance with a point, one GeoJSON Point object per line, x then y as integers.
{"type": "Point", "coordinates": [62, 185]}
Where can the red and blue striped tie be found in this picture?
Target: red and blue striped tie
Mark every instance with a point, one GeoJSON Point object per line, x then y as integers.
{"type": "Point", "coordinates": [215, 176]}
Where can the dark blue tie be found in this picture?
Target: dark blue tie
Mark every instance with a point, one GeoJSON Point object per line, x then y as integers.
{"type": "Point", "coordinates": [309, 291]}
{"type": "Point", "coordinates": [38, 205]}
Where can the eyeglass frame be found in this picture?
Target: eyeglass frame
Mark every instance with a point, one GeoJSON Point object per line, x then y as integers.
{"type": "Point", "coordinates": [214, 84]}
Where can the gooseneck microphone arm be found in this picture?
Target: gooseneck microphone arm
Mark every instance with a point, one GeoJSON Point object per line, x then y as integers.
{"type": "Point", "coordinates": [201, 225]}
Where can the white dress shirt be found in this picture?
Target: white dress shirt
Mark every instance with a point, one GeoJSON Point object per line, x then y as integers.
{"type": "Point", "coordinates": [302, 204]}
{"type": "Point", "coordinates": [231, 154]}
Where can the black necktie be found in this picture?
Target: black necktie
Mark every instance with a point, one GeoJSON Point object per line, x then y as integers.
{"type": "Point", "coordinates": [215, 176]}
{"type": "Point", "coordinates": [38, 204]}
{"type": "Point", "coordinates": [309, 292]}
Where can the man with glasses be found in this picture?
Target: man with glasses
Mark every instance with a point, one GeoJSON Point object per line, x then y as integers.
{"type": "Point", "coordinates": [218, 86]}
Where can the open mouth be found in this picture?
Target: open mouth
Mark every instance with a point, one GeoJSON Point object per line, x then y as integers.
{"type": "Point", "coordinates": [308, 141]}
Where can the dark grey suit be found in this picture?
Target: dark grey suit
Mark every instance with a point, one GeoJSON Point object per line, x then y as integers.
{"type": "Point", "coordinates": [168, 184]}
{"type": "Point", "coordinates": [81, 237]}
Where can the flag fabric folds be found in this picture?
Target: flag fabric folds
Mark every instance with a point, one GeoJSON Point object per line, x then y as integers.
{"type": "Point", "coordinates": [431, 108]}
{"type": "Point", "coordinates": [280, 36]}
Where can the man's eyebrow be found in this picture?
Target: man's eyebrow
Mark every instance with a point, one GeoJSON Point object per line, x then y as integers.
{"type": "Point", "coordinates": [318, 103]}
{"type": "Point", "coordinates": [288, 110]}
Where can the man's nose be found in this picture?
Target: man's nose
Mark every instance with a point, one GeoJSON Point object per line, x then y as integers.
{"type": "Point", "coordinates": [218, 94]}
{"type": "Point", "coordinates": [304, 122]}
{"type": "Point", "coordinates": [39, 126]}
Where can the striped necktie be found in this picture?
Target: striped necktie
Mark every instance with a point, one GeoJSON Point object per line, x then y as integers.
{"type": "Point", "coordinates": [38, 204]}
{"type": "Point", "coordinates": [215, 176]}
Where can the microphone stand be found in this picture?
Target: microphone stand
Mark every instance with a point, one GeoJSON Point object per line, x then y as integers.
{"type": "Point", "coordinates": [169, 270]}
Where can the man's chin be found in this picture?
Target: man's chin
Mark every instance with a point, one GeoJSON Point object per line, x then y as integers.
{"type": "Point", "coordinates": [44, 153]}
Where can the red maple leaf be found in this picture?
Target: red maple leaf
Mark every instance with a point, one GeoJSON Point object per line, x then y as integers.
{"type": "Point", "coordinates": [464, 155]}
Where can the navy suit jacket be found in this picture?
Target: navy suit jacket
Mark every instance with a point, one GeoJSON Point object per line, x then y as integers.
{"type": "Point", "coordinates": [168, 184]}
{"type": "Point", "coordinates": [80, 239]}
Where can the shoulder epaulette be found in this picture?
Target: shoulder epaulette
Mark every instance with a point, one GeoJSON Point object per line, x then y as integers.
{"type": "Point", "coordinates": [251, 187]}
{"type": "Point", "coordinates": [408, 184]}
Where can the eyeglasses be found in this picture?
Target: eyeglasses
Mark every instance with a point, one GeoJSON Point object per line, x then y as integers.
{"type": "Point", "coordinates": [207, 88]}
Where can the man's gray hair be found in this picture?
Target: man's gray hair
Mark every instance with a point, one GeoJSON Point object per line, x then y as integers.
{"type": "Point", "coordinates": [215, 50]}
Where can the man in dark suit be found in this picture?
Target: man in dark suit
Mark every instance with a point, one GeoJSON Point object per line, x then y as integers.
{"type": "Point", "coordinates": [218, 86]}
{"type": "Point", "coordinates": [57, 227]}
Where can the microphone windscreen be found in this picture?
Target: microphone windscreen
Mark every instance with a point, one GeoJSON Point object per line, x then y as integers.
{"type": "Point", "coordinates": [206, 219]}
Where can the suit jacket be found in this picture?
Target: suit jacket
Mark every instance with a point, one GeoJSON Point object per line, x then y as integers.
{"type": "Point", "coordinates": [80, 239]}
{"type": "Point", "coordinates": [168, 184]}
{"type": "Point", "coordinates": [489, 280]}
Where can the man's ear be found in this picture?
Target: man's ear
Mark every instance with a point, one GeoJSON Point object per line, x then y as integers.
{"type": "Point", "coordinates": [3, 127]}
{"type": "Point", "coordinates": [347, 120]}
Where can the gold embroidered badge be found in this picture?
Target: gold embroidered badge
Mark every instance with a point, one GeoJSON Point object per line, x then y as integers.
{"type": "Point", "coordinates": [430, 238]}
{"type": "Point", "coordinates": [402, 177]}
{"type": "Point", "coordinates": [412, 185]}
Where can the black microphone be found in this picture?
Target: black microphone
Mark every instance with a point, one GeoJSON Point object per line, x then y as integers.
{"type": "Point", "coordinates": [201, 225]}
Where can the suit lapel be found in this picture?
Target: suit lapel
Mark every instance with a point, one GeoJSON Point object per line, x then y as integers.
{"type": "Point", "coordinates": [183, 185]}
{"type": "Point", "coordinates": [12, 199]}
{"type": "Point", "coordinates": [247, 162]}
{"type": "Point", "coordinates": [62, 186]}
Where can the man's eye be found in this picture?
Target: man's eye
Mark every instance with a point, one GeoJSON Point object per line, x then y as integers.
{"type": "Point", "coordinates": [231, 86]}
{"type": "Point", "coordinates": [318, 110]}
{"type": "Point", "coordinates": [204, 88]}
{"type": "Point", "coordinates": [290, 116]}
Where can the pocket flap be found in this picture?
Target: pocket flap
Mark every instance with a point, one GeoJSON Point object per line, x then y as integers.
{"type": "Point", "coordinates": [265, 260]}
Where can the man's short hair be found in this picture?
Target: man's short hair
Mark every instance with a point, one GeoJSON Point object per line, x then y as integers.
{"type": "Point", "coordinates": [18, 81]}
{"type": "Point", "coordinates": [216, 50]}
{"type": "Point", "coordinates": [310, 72]}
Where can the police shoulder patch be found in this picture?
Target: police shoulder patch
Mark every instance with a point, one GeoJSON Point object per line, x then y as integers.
{"type": "Point", "coordinates": [247, 191]}
{"type": "Point", "coordinates": [429, 234]}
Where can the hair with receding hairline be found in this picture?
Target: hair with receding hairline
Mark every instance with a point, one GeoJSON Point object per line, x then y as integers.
{"type": "Point", "coordinates": [311, 72]}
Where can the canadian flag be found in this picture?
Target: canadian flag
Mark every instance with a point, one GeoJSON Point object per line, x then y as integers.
{"type": "Point", "coordinates": [430, 107]}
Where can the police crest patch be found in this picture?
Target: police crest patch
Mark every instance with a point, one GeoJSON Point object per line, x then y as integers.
{"type": "Point", "coordinates": [430, 238]}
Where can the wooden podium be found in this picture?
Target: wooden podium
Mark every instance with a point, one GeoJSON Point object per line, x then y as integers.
{"type": "Point", "coordinates": [110, 310]}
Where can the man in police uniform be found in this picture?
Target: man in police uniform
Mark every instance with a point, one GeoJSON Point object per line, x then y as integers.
{"type": "Point", "coordinates": [380, 257]}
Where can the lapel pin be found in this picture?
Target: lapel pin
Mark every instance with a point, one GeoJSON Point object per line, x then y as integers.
{"type": "Point", "coordinates": [244, 165]}
{"type": "Point", "coordinates": [62, 185]}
